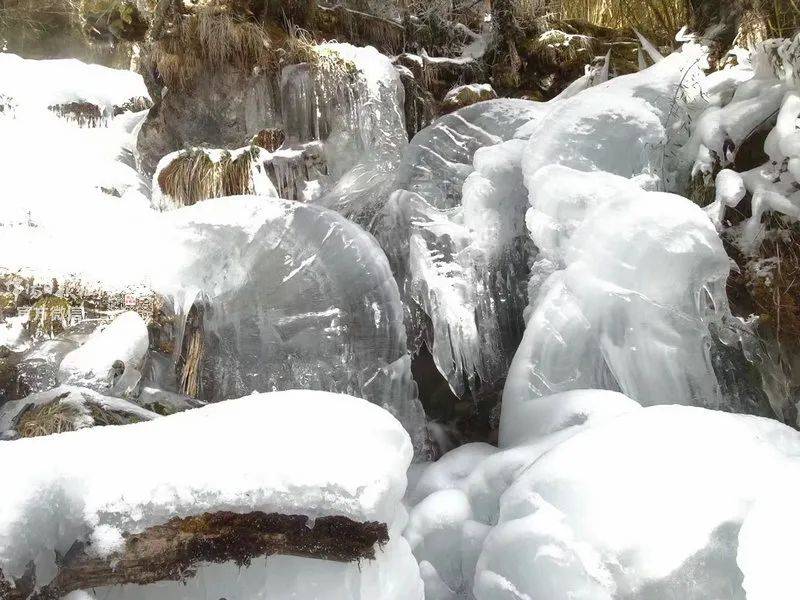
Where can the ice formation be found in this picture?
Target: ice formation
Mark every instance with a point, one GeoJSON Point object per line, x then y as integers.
{"type": "Point", "coordinates": [348, 460]}
{"type": "Point", "coordinates": [292, 295]}
{"type": "Point", "coordinates": [625, 277]}
{"type": "Point", "coordinates": [579, 506]}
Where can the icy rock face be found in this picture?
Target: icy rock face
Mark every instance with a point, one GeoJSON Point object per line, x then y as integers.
{"type": "Point", "coordinates": [348, 100]}
{"type": "Point", "coordinates": [290, 296]}
{"type": "Point", "coordinates": [350, 461]}
{"type": "Point", "coordinates": [575, 507]}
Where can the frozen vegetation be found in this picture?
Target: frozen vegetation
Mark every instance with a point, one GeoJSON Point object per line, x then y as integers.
{"type": "Point", "coordinates": [206, 385]}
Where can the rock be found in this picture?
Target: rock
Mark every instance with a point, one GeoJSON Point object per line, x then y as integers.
{"type": "Point", "coordinates": [465, 95]}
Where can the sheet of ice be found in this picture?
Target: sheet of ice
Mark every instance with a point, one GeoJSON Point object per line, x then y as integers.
{"type": "Point", "coordinates": [357, 111]}
{"type": "Point", "coordinates": [349, 459]}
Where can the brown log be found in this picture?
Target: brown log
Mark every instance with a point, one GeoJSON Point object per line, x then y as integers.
{"type": "Point", "coordinates": [173, 551]}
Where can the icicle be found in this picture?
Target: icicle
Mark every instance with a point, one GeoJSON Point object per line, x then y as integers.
{"type": "Point", "coordinates": [683, 36]}
{"type": "Point", "coordinates": [602, 74]}
{"type": "Point", "coordinates": [641, 59]}
{"type": "Point", "coordinates": [648, 47]}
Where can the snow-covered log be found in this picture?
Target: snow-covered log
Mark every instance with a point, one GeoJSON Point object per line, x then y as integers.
{"type": "Point", "coordinates": [119, 505]}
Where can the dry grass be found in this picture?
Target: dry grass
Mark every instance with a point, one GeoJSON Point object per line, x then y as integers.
{"type": "Point", "coordinates": [779, 18]}
{"type": "Point", "coordinates": [193, 176]}
{"type": "Point", "coordinates": [59, 417]}
{"type": "Point", "coordinates": [207, 41]}
{"type": "Point", "coordinates": [211, 39]}
{"type": "Point", "coordinates": [662, 18]}
{"type": "Point", "coordinates": [47, 419]}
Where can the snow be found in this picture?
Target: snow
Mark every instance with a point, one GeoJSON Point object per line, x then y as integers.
{"type": "Point", "coordinates": [39, 84]}
{"type": "Point", "coordinates": [612, 529]}
{"type": "Point", "coordinates": [350, 460]}
{"type": "Point", "coordinates": [768, 542]}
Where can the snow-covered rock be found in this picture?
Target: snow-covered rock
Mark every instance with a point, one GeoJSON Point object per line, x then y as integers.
{"type": "Point", "coordinates": [464, 95]}
{"type": "Point", "coordinates": [111, 358]}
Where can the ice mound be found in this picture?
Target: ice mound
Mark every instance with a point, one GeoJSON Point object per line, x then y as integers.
{"type": "Point", "coordinates": [626, 279]}
{"type": "Point", "coordinates": [600, 532]}
{"type": "Point", "coordinates": [453, 231]}
{"type": "Point", "coordinates": [349, 459]}
{"type": "Point", "coordinates": [576, 508]}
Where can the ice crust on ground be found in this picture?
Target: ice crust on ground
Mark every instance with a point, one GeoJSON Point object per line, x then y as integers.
{"type": "Point", "coordinates": [349, 459]}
